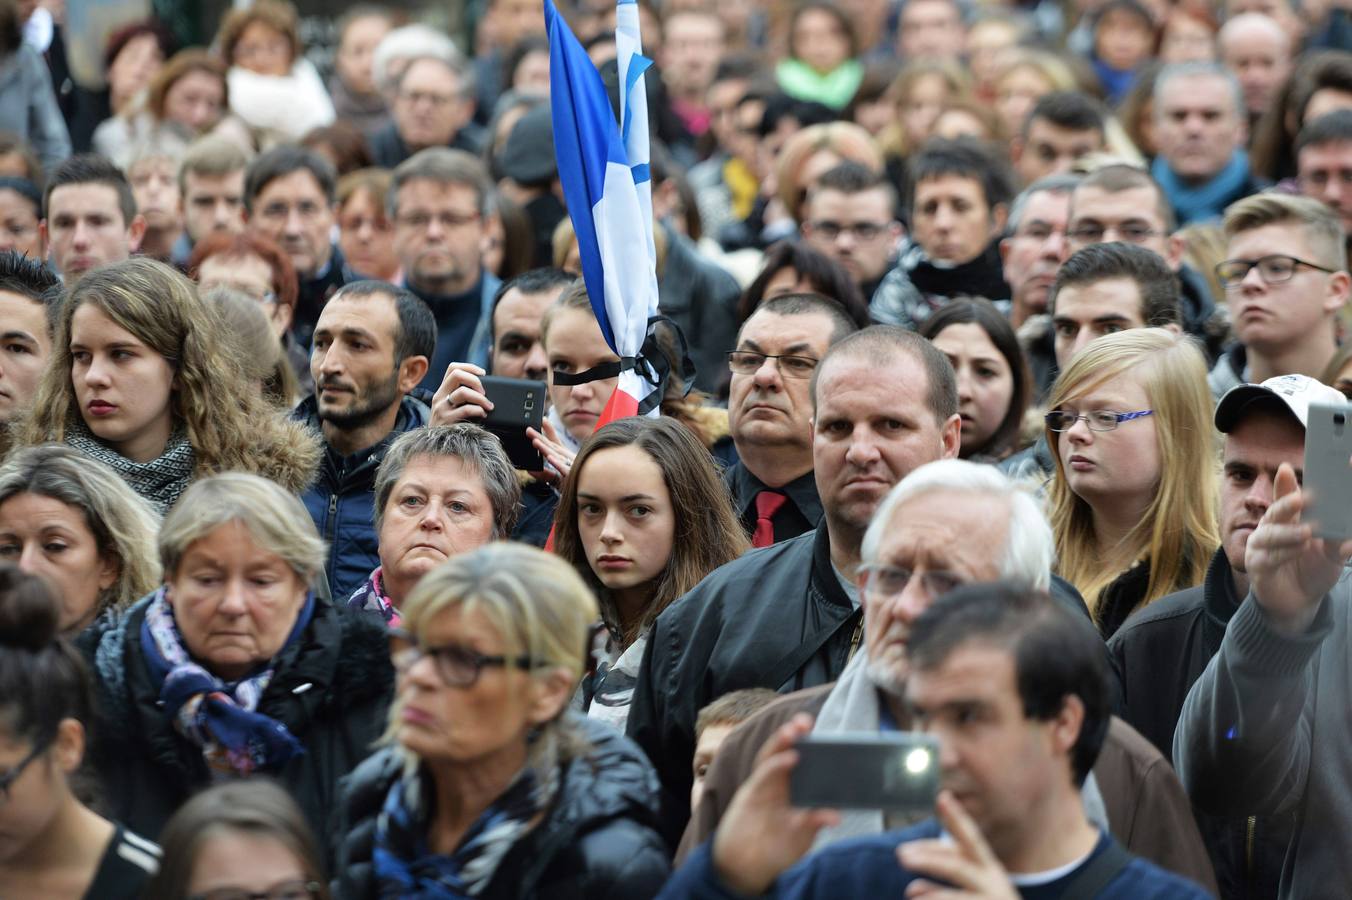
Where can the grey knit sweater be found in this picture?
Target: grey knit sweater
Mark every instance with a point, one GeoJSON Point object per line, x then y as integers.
{"type": "Point", "coordinates": [1268, 729]}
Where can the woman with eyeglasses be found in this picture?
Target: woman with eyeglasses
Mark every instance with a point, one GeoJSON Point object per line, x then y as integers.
{"type": "Point", "coordinates": [242, 840]}
{"type": "Point", "coordinates": [52, 846]}
{"type": "Point", "coordinates": [235, 667]}
{"type": "Point", "coordinates": [643, 518]}
{"type": "Point", "coordinates": [1133, 499]}
{"type": "Point", "coordinates": [489, 786]}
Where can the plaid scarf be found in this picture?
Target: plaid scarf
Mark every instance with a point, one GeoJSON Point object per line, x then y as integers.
{"type": "Point", "coordinates": [215, 715]}
{"type": "Point", "coordinates": [406, 867]}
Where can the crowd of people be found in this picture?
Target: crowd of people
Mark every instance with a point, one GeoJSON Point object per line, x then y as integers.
{"type": "Point", "coordinates": [991, 335]}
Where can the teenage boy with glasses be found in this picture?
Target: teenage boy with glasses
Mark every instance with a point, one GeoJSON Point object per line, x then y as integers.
{"type": "Point", "coordinates": [1286, 280]}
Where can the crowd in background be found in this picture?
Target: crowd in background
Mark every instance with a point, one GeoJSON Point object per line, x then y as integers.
{"type": "Point", "coordinates": [992, 334]}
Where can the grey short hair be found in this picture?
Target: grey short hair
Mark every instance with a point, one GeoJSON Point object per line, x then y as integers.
{"type": "Point", "coordinates": [1061, 183]}
{"type": "Point", "coordinates": [122, 523]}
{"type": "Point", "coordinates": [471, 445]}
{"type": "Point", "coordinates": [274, 517]}
{"type": "Point", "coordinates": [1030, 550]}
{"type": "Point", "coordinates": [444, 166]}
{"type": "Point", "coordinates": [456, 63]}
{"type": "Point", "coordinates": [1195, 70]}
{"type": "Point", "coordinates": [405, 43]}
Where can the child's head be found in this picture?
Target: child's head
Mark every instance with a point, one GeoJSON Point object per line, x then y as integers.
{"type": "Point", "coordinates": [716, 721]}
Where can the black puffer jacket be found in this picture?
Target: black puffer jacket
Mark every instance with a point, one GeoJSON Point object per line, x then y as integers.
{"type": "Point", "coordinates": [597, 842]}
{"type": "Point", "coordinates": [331, 689]}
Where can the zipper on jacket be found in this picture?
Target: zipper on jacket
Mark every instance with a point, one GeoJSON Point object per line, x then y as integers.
{"type": "Point", "coordinates": [1249, 828]}
{"type": "Point", "coordinates": [331, 536]}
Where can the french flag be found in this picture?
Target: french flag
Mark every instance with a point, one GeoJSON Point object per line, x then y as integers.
{"type": "Point", "coordinates": [604, 169]}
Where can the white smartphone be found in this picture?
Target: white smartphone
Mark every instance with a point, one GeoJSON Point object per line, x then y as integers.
{"type": "Point", "coordinates": [1328, 470]}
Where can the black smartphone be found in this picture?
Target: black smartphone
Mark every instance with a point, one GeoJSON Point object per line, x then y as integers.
{"type": "Point", "coordinates": [518, 404]}
{"type": "Point", "coordinates": [888, 771]}
{"type": "Point", "coordinates": [1328, 447]}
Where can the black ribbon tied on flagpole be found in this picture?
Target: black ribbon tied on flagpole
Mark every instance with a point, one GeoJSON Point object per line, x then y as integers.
{"type": "Point", "coordinates": [664, 350]}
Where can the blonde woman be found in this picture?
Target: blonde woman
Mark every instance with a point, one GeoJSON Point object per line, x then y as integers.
{"type": "Point", "coordinates": [1133, 499]}
{"type": "Point", "coordinates": [491, 787]}
{"type": "Point", "coordinates": [79, 526]}
{"type": "Point", "coordinates": [142, 380]}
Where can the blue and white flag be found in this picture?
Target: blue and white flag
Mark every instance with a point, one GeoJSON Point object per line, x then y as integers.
{"type": "Point", "coordinates": [603, 166]}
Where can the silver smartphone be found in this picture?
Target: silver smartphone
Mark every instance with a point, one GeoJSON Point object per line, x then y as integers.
{"type": "Point", "coordinates": [1328, 470]}
{"type": "Point", "coordinates": [888, 771]}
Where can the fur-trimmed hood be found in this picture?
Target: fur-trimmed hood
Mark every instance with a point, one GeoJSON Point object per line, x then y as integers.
{"type": "Point", "coordinates": [292, 460]}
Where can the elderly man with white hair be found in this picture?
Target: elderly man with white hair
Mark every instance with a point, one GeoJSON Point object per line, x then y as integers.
{"type": "Point", "coordinates": [947, 524]}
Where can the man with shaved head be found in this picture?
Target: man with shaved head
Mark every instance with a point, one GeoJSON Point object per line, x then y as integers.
{"type": "Point", "coordinates": [1258, 51]}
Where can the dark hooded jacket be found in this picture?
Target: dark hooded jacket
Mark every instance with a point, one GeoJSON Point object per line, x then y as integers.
{"type": "Point", "coordinates": [342, 499]}
{"type": "Point", "coordinates": [331, 689]}
{"type": "Point", "coordinates": [598, 839]}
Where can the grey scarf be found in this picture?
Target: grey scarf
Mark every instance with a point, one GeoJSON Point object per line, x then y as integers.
{"type": "Point", "coordinates": [853, 706]}
{"type": "Point", "coordinates": [159, 482]}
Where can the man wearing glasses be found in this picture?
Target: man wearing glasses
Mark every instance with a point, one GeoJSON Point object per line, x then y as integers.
{"type": "Point", "coordinates": [442, 201]}
{"type": "Point", "coordinates": [289, 195]}
{"type": "Point", "coordinates": [770, 414]}
{"type": "Point", "coordinates": [1285, 279]}
{"type": "Point", "coordinates": [850, 216]}
{"type": "Point", "coordinates": [786, 617]}
{"type": "Point", "coordinates": [1123, 203]}
{"type": "Point", "coordinates": [433, 107]}
{"type": "Point", "coordinates": [945, 525]}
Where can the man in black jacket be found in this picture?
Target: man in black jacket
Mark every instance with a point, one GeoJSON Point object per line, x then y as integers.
{"type": "Point", "coordinates": [787, 617]}
{"type": "Point", "coordinates": [1159, 652]}
{"type": "Point", "coordinates": [770, 414]}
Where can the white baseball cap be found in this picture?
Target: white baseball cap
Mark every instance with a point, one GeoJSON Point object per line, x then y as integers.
{"type": "Point", "coordinates": [1296, 392]}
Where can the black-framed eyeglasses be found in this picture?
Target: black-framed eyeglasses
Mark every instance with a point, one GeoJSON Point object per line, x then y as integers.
{"type": "Point", "coordinates": [287, 890]}
{"type": "Point", "coordinates": [1275, 268]}
{"type": "Point", "coordinates": [457, 666]}
{"type": "Point", "coordinates": [748, 362]}
{"type": "Point", "coordinates": [7, 780]}
{"type": "Point", "coordinates": [1097, 419]}
{"type": "Point", "coordinates": [883, 580]}
{"type": "Point", "coordinates": [1131, 233]}
{"type": "Point", "coordinates": [860, 231]}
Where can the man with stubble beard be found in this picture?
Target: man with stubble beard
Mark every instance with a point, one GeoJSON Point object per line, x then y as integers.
{"type": "Point", "coordinates": [371, 347]}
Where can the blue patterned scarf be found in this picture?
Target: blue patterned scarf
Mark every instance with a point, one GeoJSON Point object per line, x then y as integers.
{"type": "Point", "coordinates": [405, 865]}
{"type": "Point", "coordinates": [215, 715]}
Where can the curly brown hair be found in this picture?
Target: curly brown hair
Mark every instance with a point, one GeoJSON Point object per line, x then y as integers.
{"type": "Point", "coordinates": [227, 422]}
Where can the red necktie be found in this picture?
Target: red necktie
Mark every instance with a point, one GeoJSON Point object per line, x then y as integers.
{"type": "Point", "coordinates": [767, 504]}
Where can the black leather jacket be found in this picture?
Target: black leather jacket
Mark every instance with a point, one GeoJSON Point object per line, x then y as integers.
{"type": "Point", "coordinates": [775, 618]}
{"type": "Point", "coordinates": [598, 840]}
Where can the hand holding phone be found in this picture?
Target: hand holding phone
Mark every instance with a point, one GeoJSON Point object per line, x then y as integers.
{"type": "Point", "coordinates": [460, 398]}
{"type": "Point", "coordinates": [517, 405]}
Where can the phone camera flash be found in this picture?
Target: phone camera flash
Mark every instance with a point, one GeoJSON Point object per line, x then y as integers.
{"type": "Point", "coordinates": [917, 761]}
